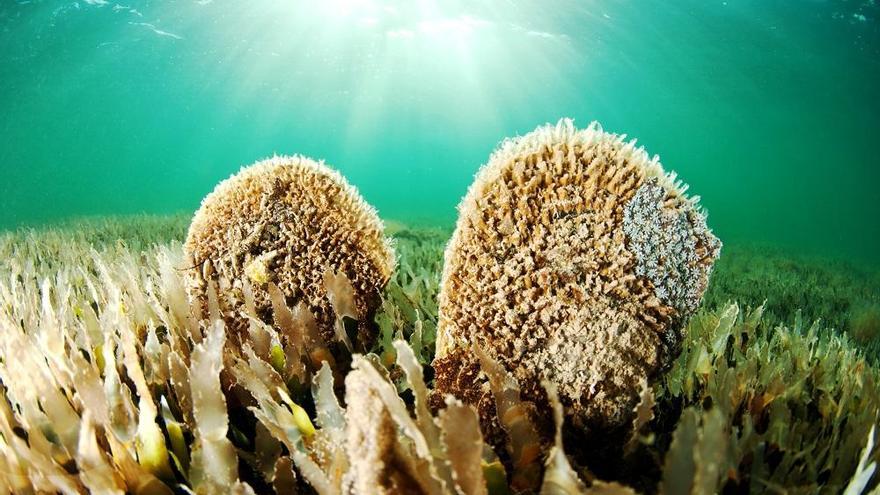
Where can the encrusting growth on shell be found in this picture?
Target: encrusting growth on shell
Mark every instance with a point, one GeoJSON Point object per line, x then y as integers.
{"type": "Point", "coordinates": [296, 224]}
{"type": "Point", "coordinates": [669, 245]}
{"type": "Point", "coordinates": [576, 259]}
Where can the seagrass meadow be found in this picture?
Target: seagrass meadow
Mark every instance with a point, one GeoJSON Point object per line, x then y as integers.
{"type": "Point", "coordinates": [762, 399]}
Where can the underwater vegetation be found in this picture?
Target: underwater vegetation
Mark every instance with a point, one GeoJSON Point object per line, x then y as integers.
{"type": "Point", "coordinates": [795, 404]}
{"type": "Point", "coordinates": [792, 286]}
{"type": "Point", "coordinates": [305, 361]}
{"type": "Point", "coordinates": [865, 324]}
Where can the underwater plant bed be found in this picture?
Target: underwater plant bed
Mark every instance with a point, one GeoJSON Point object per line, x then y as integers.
{"type": "Point", "coordinates": [108, 382]}
{"type": "Point", "coordinates": [790, 286]}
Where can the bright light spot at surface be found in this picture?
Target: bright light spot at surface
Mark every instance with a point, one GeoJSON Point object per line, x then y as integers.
{"type": "Point", "coordinates": [400, 33]}
{"type": "Point", "coordinates": [343, 8]}
{"type": "Point", "coordinates": [406, 19]}
{"type": "Point", "coordinates": [410, 75]}
{"type": "Point", "coordinates": [454, 61]}
{"type": "Point", "coordinates": [460, 26]}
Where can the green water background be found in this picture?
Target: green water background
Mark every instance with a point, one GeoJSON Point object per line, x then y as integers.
{"type": "Point", "coordinates": [768, 109]}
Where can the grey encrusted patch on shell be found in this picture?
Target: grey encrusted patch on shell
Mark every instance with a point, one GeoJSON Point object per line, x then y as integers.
{"type": "Point", "coordinates": [671, 244]}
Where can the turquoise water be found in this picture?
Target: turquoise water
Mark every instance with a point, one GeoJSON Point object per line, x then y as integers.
{"type": "Point", "coordinates": [768, 109]}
